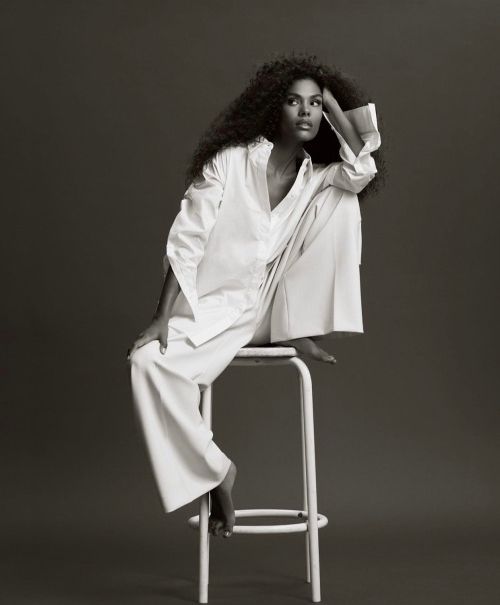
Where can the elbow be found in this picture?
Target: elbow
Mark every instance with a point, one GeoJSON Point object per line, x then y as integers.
{"type": "Point", "coordinates": [357, 181]}
{"type": "Point", "coordinates": [357, 185]}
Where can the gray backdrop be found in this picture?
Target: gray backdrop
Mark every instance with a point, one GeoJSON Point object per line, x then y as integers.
{"type": "Point", "coordinates": [103, 103]}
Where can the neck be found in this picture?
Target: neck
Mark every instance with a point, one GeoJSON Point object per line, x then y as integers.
{"type": "Point", "coordinates": [283, 156]}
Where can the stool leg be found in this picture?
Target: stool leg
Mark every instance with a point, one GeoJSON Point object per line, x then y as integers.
{"type": "Point", "coordinates": [204, 550]}
{"type": "Point", "coordinates": [312, 517]}
{"type": "Point", "coordinates": [304, 481]}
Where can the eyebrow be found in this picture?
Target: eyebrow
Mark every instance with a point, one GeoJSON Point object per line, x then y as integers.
{"type": "Point", "coordinates": [294, 94]}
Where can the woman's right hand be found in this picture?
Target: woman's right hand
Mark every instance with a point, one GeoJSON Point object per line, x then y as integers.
{"type": "Point", "coordinates": [157, 330]}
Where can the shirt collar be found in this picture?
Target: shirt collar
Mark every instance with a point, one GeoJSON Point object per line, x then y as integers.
{"type": "Point", "coordinates": [262, 141]}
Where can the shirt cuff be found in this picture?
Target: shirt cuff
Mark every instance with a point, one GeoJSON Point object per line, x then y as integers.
{"type": "Point", "coordinates": [364, 119]}
{"type": "Point", "coordinates": [186, 278]}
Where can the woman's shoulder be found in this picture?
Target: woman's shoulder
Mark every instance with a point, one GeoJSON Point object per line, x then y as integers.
{"type": "Point", "coordinates": [239, 147]}
{"type": "Point", "coordinates": [233, 153]}
{"type": "Point", "coordinates": [225, 152]}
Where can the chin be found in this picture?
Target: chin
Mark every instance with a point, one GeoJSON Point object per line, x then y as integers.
{"type": "Point", "coordinates": [305, 136]}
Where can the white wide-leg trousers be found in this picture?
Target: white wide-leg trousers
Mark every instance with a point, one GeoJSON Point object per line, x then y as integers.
{"type": "Point", "coordinates": [166, 388]}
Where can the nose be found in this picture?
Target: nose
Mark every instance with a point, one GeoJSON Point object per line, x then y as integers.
{"type": "Point", "coordinates": [304, 110]}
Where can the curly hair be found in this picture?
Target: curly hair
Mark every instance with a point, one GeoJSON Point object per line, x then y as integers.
{"type": "Point", "coordinates": [257, 111]}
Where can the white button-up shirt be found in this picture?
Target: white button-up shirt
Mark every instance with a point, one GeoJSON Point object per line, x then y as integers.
{"type": "Point", "coordinates": [226, 233]}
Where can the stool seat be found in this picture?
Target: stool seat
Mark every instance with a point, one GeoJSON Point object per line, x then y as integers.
{"type": "Point", "coordinates": [267, 351]}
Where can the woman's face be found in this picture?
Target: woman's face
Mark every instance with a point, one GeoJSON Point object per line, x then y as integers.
{"type": "Point", "coordinates": [302, 111]}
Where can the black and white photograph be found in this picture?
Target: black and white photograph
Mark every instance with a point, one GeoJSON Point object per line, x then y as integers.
{"type": "Point", "coordinates": [251, 303]}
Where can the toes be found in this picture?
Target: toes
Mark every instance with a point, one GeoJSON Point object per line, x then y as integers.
{"type": "Point", "coordinates": [215, 527]}
{"type": "Point", "coordinates": [218, 528]}
{"type": "Point", "coordinates": [211, 527]}
{"type": "Point", "coordinates": [323, 355]}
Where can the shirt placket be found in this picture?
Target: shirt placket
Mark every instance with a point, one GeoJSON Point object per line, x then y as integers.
{"type": "Point", "coordinates": [268, 220]}
{"type": "Point", "coordinates": [291, 195]}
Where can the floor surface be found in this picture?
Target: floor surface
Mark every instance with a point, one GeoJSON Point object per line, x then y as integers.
{"type": "Point", "coordinates": [417, 567]}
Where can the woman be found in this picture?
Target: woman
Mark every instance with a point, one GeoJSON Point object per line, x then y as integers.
{"type": "Point", "coordinates": [261, 251]}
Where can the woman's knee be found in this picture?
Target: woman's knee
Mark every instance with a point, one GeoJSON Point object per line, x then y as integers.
{"type": "Point", "coordinates": [145, 357]}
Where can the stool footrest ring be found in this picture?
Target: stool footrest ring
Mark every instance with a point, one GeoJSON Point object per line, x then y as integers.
{"type": "Point", "coordinates": [286, 528]}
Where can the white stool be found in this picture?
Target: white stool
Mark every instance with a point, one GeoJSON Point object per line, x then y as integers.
{"type": "Point", "coordinates": [272, 355]}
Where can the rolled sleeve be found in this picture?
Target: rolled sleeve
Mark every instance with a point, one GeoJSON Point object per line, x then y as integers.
{"type": "Point", "coordinates": [353, 173]}
{"type": "Point", "coordinates": [191, 228]}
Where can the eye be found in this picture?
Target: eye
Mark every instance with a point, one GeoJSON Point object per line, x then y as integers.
{"type": "Point", "coordinates": [317, 102]}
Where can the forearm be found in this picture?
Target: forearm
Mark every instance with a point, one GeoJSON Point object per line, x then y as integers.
{"type": "Point", "coordinates": [168, 295]}
{"type": "Point", "coordinates": [342, 124]}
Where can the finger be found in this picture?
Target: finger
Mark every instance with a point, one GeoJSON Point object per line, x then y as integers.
{"type": "Point", "coordinates": [163, 346]}
{"type": "Point", "coordinates": [140, 342]}
{"type": "Point", "coordinates": [131, 352]}
{"type": "Point", "coordinates": [163, 343]}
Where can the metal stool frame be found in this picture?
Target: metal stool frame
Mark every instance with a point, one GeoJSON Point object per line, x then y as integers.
{"type": "Point", "coordinates": [272, 355]}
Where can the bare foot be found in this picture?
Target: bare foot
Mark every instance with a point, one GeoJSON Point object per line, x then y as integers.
{"type": "Point", "coordinates": [222, 515]}
{"type": "Point", "coordinates": [215, 521]}
{"type": "Point", "coordinates": [308, 347]}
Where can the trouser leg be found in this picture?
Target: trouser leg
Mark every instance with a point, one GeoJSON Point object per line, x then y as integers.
{"type": "Point", "coordinates": [166, 393]}
{"type": "Point", "coordinates": [314, 286]}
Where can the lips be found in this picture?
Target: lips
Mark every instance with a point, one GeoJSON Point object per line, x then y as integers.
{"type": "Point", "coordinates": [304, 124]}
